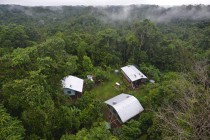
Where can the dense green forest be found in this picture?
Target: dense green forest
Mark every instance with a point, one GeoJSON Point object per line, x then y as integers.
{"type": "Point", "coordinates": [41, 45]}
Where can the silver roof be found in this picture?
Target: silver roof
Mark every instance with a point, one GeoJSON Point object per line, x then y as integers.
{"type": "Point", "coordinates": [73, 83]}
{"type": "Point", "coordinates": [133, 73]}
{"type": "Point", "coordinates": [127, 106]}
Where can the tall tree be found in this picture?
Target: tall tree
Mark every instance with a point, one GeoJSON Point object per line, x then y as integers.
{"type": "Point", "coordinates": [187, 115]}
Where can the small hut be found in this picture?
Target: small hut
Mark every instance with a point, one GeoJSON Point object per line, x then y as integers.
{"type": "Point", "coordinates": [133, 75]}
{"type": "Point", "coordinates": [73, 86]}
{"type": "Point", "coordinates": [122, 108]}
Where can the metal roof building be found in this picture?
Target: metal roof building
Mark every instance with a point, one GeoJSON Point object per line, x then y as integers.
{"type": "Point", "coordinates": [126, 106]}
{"type": "Point", "coordinates": [73, 83]}
{"type": "Point", "coordinates": [133, 73]}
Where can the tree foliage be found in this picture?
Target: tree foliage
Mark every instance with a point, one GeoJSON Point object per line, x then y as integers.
{"type": "Point", "coordinates": [10, 128]}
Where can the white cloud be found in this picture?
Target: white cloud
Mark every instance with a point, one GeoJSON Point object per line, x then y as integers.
{"type": "Point", "coordinates": [101, 2]}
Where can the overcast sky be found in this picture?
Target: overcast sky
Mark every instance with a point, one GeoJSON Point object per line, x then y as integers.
{"type": "Point", "coordinates": [102, 2]}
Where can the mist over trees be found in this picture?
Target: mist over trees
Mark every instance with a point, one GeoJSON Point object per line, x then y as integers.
{"type": "Point", "coordinates": [41, 45]}
{"type": "Point", "coordinates": [106, 14]}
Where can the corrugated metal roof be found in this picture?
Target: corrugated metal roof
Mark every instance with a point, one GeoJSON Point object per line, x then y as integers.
{"type": "Point", "coordinates": [127, 106]}
{"type": "Point", "coordinates": [133, 73]}
{"type": "Point", "coordinates": [73, 83]}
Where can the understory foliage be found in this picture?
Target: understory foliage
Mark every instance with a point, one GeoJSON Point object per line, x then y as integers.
{"type": "Point", "coordinates": [37, 51]}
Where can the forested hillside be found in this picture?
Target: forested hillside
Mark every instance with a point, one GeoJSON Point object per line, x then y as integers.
{"type": "Point", "coordinates": [41, 45]}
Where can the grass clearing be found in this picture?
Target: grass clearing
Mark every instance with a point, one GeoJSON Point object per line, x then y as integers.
{"type": "Point", "coordinates": [108, 89]}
